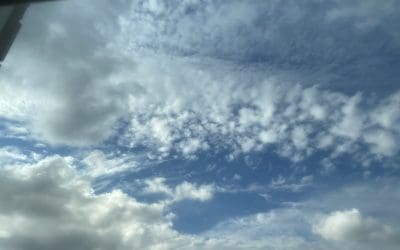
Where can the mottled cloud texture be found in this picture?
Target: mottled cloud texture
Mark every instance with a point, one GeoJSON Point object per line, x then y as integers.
{"type": "Point", "coordinates": [100, 99]}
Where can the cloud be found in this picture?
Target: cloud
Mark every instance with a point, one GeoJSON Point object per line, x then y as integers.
{"type": "Point", "coordinates": [62, 75]}
{"type": "Point", "coordinates": [350, 225]}
{"type": "Point", "coordinates": [100, 164]}
{"type": "Point", "coordinates": [306, 225]}
{"type": "Point", "coordinates": [352, 120]}
{"type": "Point", "coordinates": [192, 79]}
{"type": "Point", "coordinates": [148, 75]}
{"type": "Point", "coordinates": [245, 119]}
{"type": "Point", "coordinates": [10, 155]}
{"type": "Point", "coordinates": [182, 191]}
{"type": "Point", "coordinates": [187, 190]}
{"type": "Point", "coordinates": [367, 14]}
{"type": "Point", "coordinates": [263, 231]}
{"type": "Point", "coordinates": [281, 183]}
{"type": "Point", "coordinates": [49, 206]}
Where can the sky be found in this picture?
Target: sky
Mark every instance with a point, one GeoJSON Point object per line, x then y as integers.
{"type": "Point", "coordinates": [199, 124]}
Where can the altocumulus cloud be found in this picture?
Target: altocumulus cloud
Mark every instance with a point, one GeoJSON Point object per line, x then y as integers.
{"type": "Point", "coordinates": [82, 92]}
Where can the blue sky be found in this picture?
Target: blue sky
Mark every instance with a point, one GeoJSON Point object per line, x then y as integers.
{"type": "Point", "coordinates": [202, 125]}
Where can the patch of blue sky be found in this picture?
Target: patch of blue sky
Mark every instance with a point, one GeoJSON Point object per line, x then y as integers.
{"type": "Point", "coordinates": [195, 217]}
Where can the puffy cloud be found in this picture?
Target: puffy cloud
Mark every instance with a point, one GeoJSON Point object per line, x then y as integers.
{"type": "Point", "coordinates": [387, 114]}
{"type": "Point", "coordinates": [58, 77]}
{"type": "Point", "coordinates": [187, 190]}
{"type": "Point", "coordinates": [176, 79]}
{"type": "Point", "coordinates": [350, 225]}
{"type": "Point", "coordinates": [9, 155]}
{"type": "Point", "coordinates": [49, 206]}
{"type": "Point", "coordinates": [352, 121]}
{"type": "Point", "coordinates": [382, 142]}
{"type": "Point", "coordinates": [182, 88]}
{"type": "Point", "coordinates": [182, 191]}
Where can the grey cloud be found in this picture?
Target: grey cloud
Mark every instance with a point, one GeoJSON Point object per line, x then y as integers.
{"type": "Point", "coordinates": [50, 206]}
{"type": "Point", "coordinates": [63, 240]}
{"type": "Point", "coordinates": [61, 51]}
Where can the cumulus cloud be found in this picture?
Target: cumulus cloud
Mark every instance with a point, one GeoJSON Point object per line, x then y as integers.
{"type": "Point", "coordinates": [49, 206]}
{"type": "Point", "coordinates": [58, 77]}
{"type": "Point", "coordinates": [350, 225]}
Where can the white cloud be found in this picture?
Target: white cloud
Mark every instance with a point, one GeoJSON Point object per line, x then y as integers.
{"type": "Point", "coordinates": [178, 86]}
{"type": "Point", "coordinates": [292, 185]}
{"type": "Point", "coordinates": [350, 225]}
{"type": "Point", "coordinates": [387, 113]}
{"type": "Point", "coordinates": [268, 136]}
{"type": "Point", "coordinates": [299, 137]}
{"type": "Point", "coordinates": [187, 190]}
{"type": "Point", "coordinates": [295, 133]}
{"type": "Point", "coordinates": [10, 155]}
{"type": "Point", "coordinates": [192, 146]}
{"type": "Point", "coordinates": [76, 70]}
{"type": "Point", "coordinates": [352, 120]}
{"type": "Point", "coordinates": [382, 142]}
{"type": "Point", "coordinates": [182, 191]}
{"type": "Point", "coordinates": [283, 228]}
{"type": "Point", "coordinates": [157, 185]}
{"type": "Point", "coordinates": [51, 206]}
{"type": "Point", "coordinates": [98, 164]}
